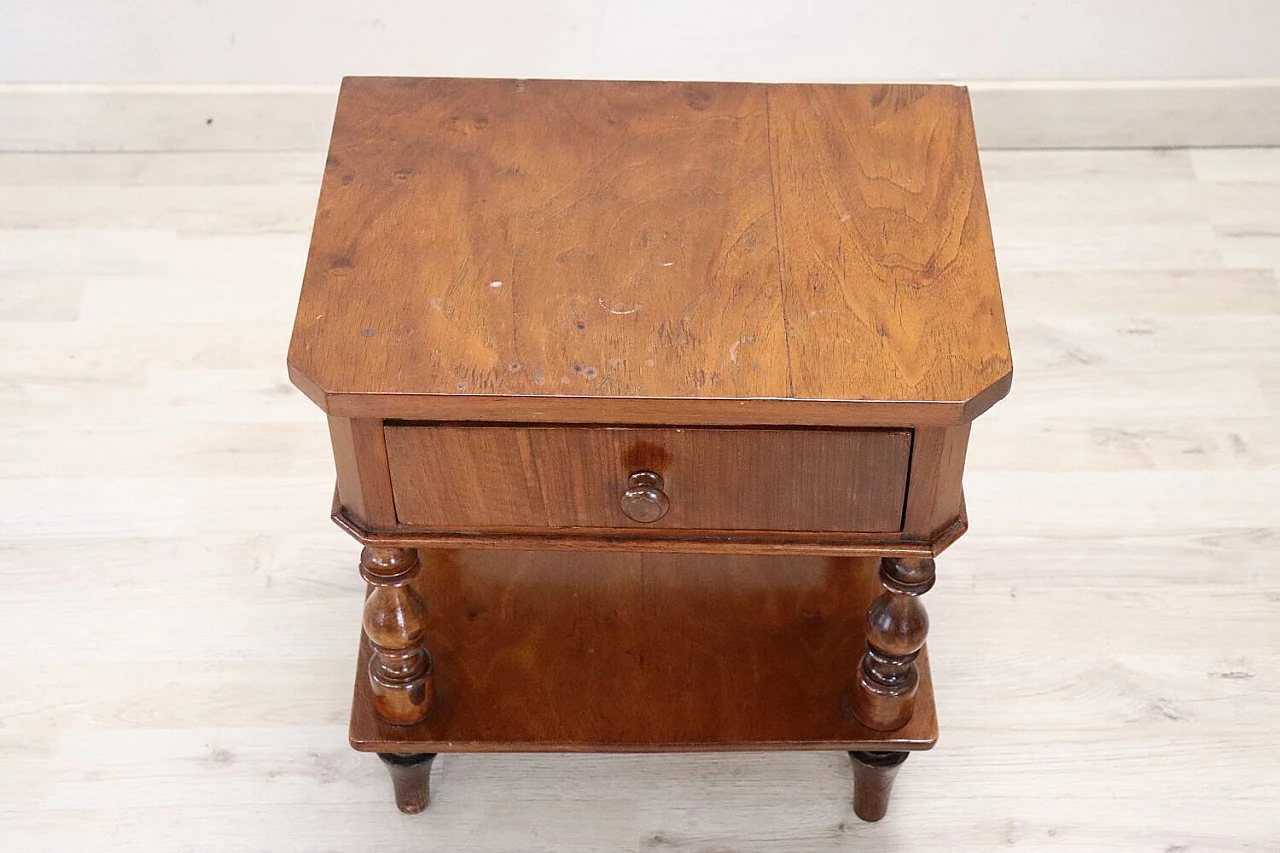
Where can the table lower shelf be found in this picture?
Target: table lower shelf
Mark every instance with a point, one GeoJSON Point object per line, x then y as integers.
{"type": "Point", "coordinates": [544, 651]}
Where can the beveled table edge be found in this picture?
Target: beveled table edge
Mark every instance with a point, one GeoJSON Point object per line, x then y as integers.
{"type": "Point", "coordinates": [671, 541]}
{"type": "Point", "coordinates": [665, 411]}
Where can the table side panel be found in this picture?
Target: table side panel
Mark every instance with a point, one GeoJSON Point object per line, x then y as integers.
{"type": "Point", "coordinates": [935, 497]}
{"type": "Point", "coordinates": [364, 477]}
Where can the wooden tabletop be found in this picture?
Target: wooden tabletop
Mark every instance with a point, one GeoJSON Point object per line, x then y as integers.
{"type": "Point", "coordinates": [575, 250]}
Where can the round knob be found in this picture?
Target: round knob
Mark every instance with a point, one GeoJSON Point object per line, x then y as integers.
{"type": "Point", "coordinates": [644, 500]}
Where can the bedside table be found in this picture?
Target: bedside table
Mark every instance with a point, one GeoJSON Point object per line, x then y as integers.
{"type": "Point", "coordinates": [649, 404]}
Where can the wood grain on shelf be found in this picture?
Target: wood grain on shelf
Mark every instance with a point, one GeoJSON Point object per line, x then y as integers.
{"type": "Point", "coordinates": [581, 651]}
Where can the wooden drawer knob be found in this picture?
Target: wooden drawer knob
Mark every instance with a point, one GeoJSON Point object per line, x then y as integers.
{"type": "Point", "coordinates": [644, 500]}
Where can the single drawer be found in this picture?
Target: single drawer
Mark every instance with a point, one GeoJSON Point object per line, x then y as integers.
{"type": "Point", "coordinates": [481, 477]}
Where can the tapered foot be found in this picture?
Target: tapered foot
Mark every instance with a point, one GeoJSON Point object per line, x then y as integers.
{"type": "Point", "coordinates": [873, 774]}
{"type": "Point", "coordinates": [411, 777]}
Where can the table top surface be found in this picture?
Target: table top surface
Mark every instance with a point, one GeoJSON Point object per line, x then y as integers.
{"type": "Point", "coordinates": [562, 243]}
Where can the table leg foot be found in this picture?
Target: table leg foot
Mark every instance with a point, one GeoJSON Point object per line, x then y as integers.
{"type": "Point", "coordinates": [411, 778]}
{"type": "Point", "coordinates": [873, 774]}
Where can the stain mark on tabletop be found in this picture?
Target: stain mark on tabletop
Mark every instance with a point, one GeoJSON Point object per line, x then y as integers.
{"type": "Point", "coordinates": [620, 309]}
{"type": "Point", "coordinates": [368, 333]}
{"type": "Point", "coordinates": [698, 99]}
{"type": "Point", "coordinates": [733, 350]}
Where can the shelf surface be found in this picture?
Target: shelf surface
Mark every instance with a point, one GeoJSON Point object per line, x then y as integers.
{"type": "Point", "coordinates": [604, 652]}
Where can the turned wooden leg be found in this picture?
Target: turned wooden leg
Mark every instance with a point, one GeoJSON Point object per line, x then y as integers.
{"type": "Point", "coordinates": [400, 672]}
{"type": "Point", "coordinates": [885, 695]}
{"type": "Point", "coordinates": [873, 774]}
{"type": "Point", "coordinates": [411, 778]}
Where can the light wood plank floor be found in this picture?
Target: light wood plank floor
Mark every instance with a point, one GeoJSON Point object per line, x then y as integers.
{"type": "Point", "coordinates": [177, 618]}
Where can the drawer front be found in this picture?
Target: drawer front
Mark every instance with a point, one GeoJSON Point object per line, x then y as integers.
{"type": "Point", "coordinates": [478, 477]}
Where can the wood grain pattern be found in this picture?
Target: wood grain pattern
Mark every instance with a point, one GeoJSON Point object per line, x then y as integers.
{"type": "Point", "coordinates": [477, 477]}
{"type": "Point", "coordinates": [364, 476]}
{"type": "Point", "coordinates": [576, 652]}
{"type": "Point", "coordinates": [694, 252]}
{"type": "Point", "coordinates": [399, 673]}
{"type": "Point", "coordinates": [935, 497]}
{"type": "Point", "coordinates": [897, 625]}
{"type": "Point", "coordinates": [873, 775]}
{"type": "Point", "coordinates": [410, 779]}
{"type": "Point", "coordinates": [886, 244]}
{"type": "Point", "coordinates": [545, 238]}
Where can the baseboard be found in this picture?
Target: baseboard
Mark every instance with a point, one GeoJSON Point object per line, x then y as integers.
{"type": "Point", "coordinates": [1120, 114]}
{"type": "Point", "coordinates": [1127, 114]}
{"type": "Point", "coordinates": [165, 118]}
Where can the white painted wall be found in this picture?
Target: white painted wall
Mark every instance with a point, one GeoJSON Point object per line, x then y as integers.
{"type": "Point", "coordinates": [319, 41]}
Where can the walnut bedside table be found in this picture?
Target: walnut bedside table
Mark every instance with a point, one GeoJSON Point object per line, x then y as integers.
{"type": "Point", "coordinates": [649, 404]}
